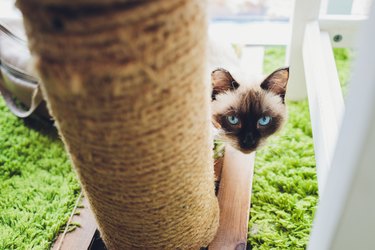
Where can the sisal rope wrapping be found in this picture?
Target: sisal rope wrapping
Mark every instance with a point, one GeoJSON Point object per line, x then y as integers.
{"type": "Point", "coordinates": [124, 81]}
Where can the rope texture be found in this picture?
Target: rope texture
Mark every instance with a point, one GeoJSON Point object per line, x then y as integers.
{"type": "Point", "coordinates": [124, 81]}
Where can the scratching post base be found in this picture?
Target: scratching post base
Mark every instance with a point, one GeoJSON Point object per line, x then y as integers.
{"type": "Point", "coordinates": [234, 198]}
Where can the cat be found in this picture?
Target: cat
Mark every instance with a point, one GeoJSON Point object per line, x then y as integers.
{"type": "Point", "coordinates": [246, 113]}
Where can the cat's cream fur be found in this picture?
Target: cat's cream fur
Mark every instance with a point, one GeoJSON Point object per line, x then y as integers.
{"type": "Point", "coordinates": [250, 99]}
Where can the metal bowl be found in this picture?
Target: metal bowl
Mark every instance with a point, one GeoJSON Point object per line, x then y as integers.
{"type": "Point", "coordinates": [19, 86]}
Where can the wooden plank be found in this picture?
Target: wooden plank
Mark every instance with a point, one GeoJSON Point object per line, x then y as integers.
{"type": "Point", "coordinates": [345, 218]}
{"type": "Point", "coordinates": [218, 167]}
{"type": "Point", "coordinates": [304, 12]}
{"type": "Point", "coordinates": [325, 97]}
{"type": "Point", "coordinates": [81, 237]}
{"type": "Point", "coordinates": [234, 200]}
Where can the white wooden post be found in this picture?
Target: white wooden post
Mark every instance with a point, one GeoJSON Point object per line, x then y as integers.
{"type": "Point", "coordinates": [342, 29]}
{"type": "Point", "coordinates": [325, 98]}
{"type": "Point", "coordinates": [304, 12]}
{"type": "Point", "coordinates": [345, 218]}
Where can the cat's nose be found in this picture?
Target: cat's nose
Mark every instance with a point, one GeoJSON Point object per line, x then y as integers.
{"type": "Point", "coordinates": [249, 140]}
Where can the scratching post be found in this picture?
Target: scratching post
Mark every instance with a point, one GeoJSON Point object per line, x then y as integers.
{"type": "Point", "coordinates": [124, 81]}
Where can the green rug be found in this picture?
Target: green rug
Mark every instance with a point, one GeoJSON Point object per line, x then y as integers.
{"type": "Point", "coordinates": [38, 188]}
{"type": "Point", "coordinates": [285, 190]}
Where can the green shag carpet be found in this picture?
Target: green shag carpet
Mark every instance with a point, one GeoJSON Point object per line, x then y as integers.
{"type": "Point", "coordinates": [38, 188]}
{"type": "Point", "coordinates": [285, 189]}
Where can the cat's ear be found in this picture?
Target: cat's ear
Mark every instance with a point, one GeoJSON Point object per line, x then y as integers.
{"type": "Point", "coordinates": [222, 81]}
{"type": "Point", "coordinates": [276, 82]}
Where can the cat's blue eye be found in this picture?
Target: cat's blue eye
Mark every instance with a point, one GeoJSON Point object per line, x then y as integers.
{"type": "Point", "coordinates": [232, 119]}
{"type": "Point", "coordinates": [264, 120]}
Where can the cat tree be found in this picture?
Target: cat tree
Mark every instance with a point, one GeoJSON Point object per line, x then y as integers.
{"type": "Point", "coordinates": [125, 83]}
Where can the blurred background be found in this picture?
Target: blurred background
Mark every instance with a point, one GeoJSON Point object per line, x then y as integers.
{"type": "Point", "coordinates": [241, 10]}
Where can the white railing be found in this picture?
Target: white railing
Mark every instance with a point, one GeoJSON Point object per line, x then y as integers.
{"type": "Point", "coordinates": [324, 95]}
{"type": "Point", "coordinates": [344, 140]}
{"type": "Point", "coordinates": [313, 68]}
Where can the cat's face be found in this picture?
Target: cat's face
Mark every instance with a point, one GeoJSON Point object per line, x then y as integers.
{"type": "Point", "coordinates": [246, 115]}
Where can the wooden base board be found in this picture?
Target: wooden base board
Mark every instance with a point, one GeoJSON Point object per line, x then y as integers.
{"type": "Point", "coordinates": [82, 236]}
{"type": "Point", "coordinates": [234, 200]}
{"type": "Point", "coordinates": [234, 195]}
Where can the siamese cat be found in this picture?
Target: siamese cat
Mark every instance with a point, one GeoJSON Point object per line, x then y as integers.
{"type": "Point", "coordinates": [246, 113]}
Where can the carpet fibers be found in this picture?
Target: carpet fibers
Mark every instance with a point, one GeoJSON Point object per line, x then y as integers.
{"type": "Point", "coordinates": [38, 187]}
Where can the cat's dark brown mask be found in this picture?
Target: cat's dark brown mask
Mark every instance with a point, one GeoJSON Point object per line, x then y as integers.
{"type": "Point", "coordinates": [246, 114]}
